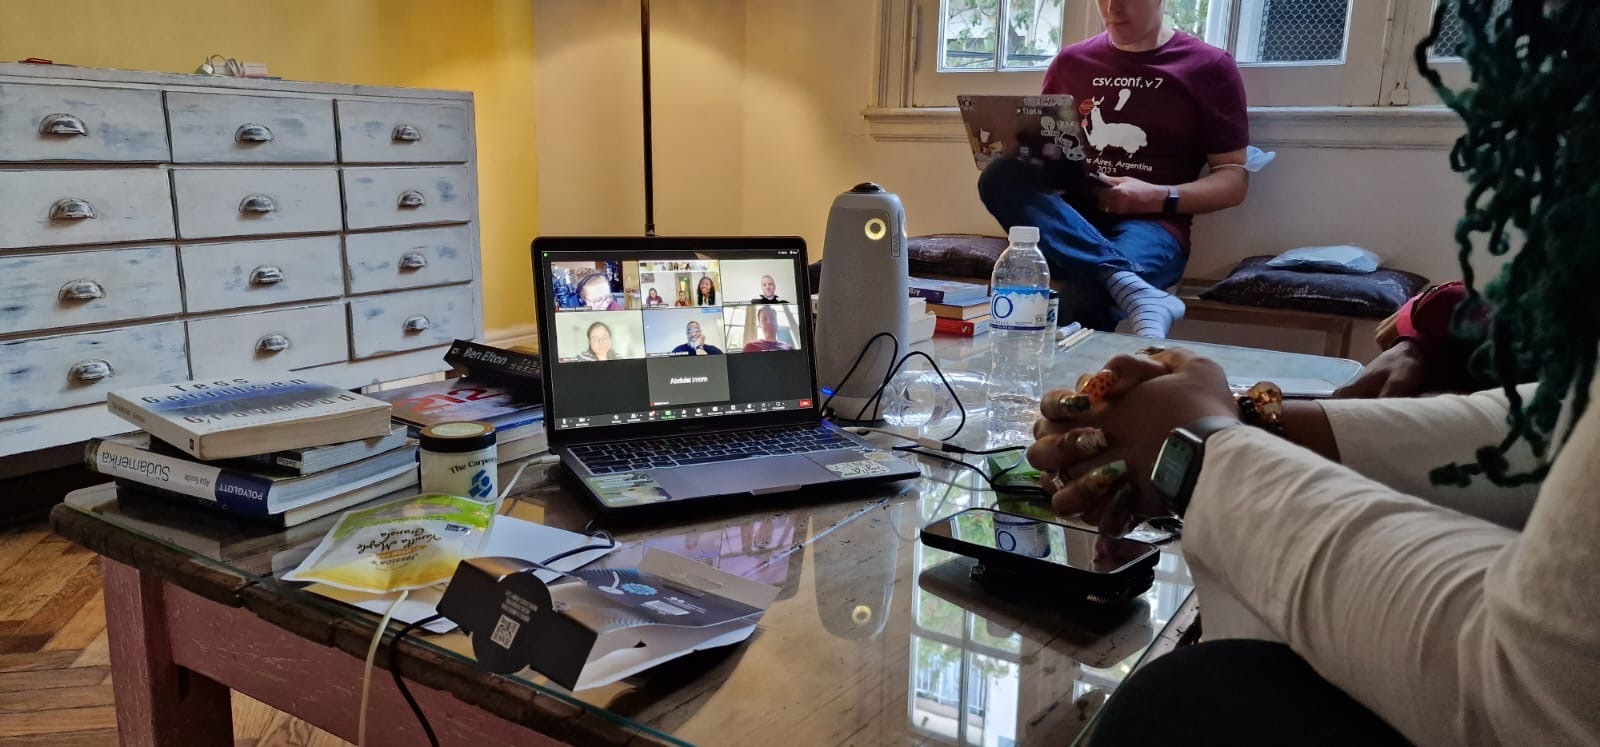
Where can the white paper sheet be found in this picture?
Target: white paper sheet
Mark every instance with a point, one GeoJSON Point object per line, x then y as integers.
{"type": "Point", "coordinates": [508, 537]}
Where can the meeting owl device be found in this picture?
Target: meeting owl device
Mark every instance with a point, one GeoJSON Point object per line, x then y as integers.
{"type": "Point", "coordinates": [864, 291]}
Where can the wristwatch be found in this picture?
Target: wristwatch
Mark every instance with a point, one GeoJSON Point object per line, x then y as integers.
{"type": "Point", "coordinates": [1178, 465]}
{"type": "Point", "coordinates": [1171, 206]}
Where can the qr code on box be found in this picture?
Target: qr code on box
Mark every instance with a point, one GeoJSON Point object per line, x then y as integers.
{"type": "Point", "coordinates": [505, 631]}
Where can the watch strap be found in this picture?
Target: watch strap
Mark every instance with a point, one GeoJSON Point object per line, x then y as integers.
{"type": "Point", "coordinates": [1170, 207]}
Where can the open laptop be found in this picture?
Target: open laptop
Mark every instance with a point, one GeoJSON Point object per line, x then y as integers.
{"type": "Point", "coordinates": [681, 369]}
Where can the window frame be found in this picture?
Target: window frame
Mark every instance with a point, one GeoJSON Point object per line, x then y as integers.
{"type": "Point", "coordinates": [1377, 69]}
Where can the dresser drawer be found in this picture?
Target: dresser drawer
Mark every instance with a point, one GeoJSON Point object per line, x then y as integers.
{"type": "Point", "coordinates": [256, 273]}
{"type": "Point", "coordinates": [408, 259]}
{"type": "Point", "coordinates": [52, 208]}
{"type": "Point", "coordinates": [51, 373]}
{"type": "Point", "coordinates": [398, 132]}
{"type": "Point", "coordinates": [407, 196]}
{"type": "Point", "coordinates": [410, 320]}
{"type": "Point", "coordinates": [269, 341]}
{"type": "Point", "coordinates": [245, 202]}
{"type": "Point", "coordinates": [69, 289]}
{"type": "Point", "coordinates": [223, 128]}
{"type": "Point", "coordinates": [79, 123]}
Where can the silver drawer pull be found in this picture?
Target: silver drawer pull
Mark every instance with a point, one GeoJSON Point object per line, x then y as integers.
{"type": "Point", "coordinates": [266, 275]}
{"type": "Point", "coordinates": [404, 133]}
{"type": "Point", "coordinates": [71, 208]}
{"type": "Point", "coordinates": [251, 132]}
{"type": "Point", "coordinates": [260, 204]}
{"type": "Point", "coordinates": [63, 124]}
{"type": "Point", "coordinates": [413, 261]}
{"type": "Point", "coordinates": [418, 323]}
{"type": "Point", "coordinates": [272, 343]}
{"type": "Point", "coordinates": [90, 371]}
{"type": "Point", "coordinates": [82, 290]}
{"type": "Point", "coordinates": [412, 199]}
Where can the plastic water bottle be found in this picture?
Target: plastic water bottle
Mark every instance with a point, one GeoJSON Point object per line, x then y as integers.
{"type": "Point", "coordinates": [1019, 332]}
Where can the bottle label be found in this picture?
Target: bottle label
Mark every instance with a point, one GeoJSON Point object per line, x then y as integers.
{"type": "Point", "coordinates": [1024, 309]}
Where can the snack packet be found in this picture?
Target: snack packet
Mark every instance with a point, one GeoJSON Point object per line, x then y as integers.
{"type": "Point", "coordinates": [409, 544]}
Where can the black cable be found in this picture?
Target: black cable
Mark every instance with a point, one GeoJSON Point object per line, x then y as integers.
{"type": "Point", "coordinates": [859, 357]}
{"type": "Point", "coordinates": [1026, 490]}
{"type": "Point", "coordinates": [400, 682]}
{"type": "Point", "coordinates": [878, 395]}
{"type": "Point", "coordinates": [394, 646]}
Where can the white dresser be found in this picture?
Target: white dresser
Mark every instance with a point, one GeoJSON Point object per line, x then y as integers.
{"type": "Point", "coordinates": [158, 227]}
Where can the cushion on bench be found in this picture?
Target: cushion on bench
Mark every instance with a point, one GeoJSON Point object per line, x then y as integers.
{"type": "Point", "coordinates": [1375, 294]}
{"type": "Point", "coordinates": [954, 255]}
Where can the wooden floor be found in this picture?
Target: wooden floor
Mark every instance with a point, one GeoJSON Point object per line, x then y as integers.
{"type": "Point", "coordinates": [55, 675]}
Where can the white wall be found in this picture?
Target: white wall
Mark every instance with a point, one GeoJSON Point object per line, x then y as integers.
{"type": "Point", "coordinates": [759, 126]}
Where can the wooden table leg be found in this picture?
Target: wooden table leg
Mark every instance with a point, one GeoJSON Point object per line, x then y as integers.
{"type": "Point", "coordinates": [158, 702]}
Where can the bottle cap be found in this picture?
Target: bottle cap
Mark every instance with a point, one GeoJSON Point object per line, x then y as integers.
{"type": "Point", "coordinates": [1024, 235]}
{"type": "Point", "coordinates": [458, 437]}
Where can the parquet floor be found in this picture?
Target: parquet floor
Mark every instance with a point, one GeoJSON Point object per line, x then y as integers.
{"type": "Point", "coordinates": [55, 673]}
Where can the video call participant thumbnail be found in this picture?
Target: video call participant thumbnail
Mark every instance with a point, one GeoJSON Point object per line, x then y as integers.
{"type": "Point", "coordinates": [695, 343]}
{"type": "Point", "coordinates": [683, 332]}
{"type": "Point", "coordinates": [599, 336]}
{"type": "Point", "coordinates": [760, 280]}
{"type": "Point", "coordinates": [767, 332]}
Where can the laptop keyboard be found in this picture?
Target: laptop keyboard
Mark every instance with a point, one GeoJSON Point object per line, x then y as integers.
{"type": "Point", "coordinates": [677, 451]}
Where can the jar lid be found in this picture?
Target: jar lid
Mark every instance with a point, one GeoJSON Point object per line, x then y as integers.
{"type": "Point", "coordinates": [457, 437]}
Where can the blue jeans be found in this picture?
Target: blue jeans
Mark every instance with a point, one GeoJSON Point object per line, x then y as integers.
{"type": "Point", "coordinates": [1081, 249]}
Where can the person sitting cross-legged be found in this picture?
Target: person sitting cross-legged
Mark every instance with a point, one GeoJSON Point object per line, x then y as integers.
{"type": "Point", "coordinates": [1156, 105]}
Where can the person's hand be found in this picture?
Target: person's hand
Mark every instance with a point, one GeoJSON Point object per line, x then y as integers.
{"type": "Point", "coordinates": [1399, 371]}
{"type": "Point", "coordinates": [1097, 443]}
{"type": "Point", "coordinates": [1130, 196]}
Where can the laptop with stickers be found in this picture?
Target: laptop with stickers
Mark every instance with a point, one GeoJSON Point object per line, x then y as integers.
{"type": "Point", "coordinates": [681, 369]}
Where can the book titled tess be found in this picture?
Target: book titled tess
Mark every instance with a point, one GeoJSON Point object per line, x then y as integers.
{"type": "Point", "coordinates": [236, 417]}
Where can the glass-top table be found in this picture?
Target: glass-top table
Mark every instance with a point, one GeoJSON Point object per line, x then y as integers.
{"type": "Point", "coordinates": [874, 638]}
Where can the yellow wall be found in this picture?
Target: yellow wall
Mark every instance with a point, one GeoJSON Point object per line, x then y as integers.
{"type": "Point", "coordinates": [483, 46]}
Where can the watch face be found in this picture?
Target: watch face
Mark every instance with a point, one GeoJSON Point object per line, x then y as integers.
{"type": "Point", "coordinates": [1172, 465]}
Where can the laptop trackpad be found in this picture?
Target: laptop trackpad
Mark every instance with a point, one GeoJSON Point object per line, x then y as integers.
{"type": "Point", "coordinates": [768, 474]}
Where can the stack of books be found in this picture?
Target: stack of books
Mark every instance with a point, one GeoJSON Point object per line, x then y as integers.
{"type": "Point", "coordinates": [962, 308]}
{"type": "Point", "coordinates": [282, 451]}
{"type": "Point", "coordinates": [518, 420]}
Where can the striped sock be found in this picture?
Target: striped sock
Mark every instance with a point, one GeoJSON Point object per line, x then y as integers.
{"type": "Point", "coordinates": [1151, 309]}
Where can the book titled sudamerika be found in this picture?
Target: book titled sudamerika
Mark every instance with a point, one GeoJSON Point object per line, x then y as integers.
{"type": "Point", "coordinates": [236, 417]}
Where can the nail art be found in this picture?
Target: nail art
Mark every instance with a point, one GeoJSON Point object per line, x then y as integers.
{"type": "Point", "coordinates": [1074, 404]}
{"type": "Point", "coordinates": [1103, 478]}
{"type": "Point", "coordinates": [1089, 441]}
{"type": "Point", "coordinates": [1099, 385]}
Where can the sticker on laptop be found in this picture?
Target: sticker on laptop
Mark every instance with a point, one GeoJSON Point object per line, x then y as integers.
{"type": "Point", "coordinates": [627, 489]}
{"type": "Point", "coordinates": [859, 468]}
{"type": "Point", "coordinates": [877, 455]}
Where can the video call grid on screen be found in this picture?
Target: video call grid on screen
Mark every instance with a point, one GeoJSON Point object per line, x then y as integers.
{"type": "Point", "coordinates": [642, 334]}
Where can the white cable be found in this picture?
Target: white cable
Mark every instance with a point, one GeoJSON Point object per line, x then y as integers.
{"type": "Point", "coordinates": [366, 673]}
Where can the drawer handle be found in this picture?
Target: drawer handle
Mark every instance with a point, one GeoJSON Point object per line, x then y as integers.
{"type": "Point", "coordinates": [272, 343]}
{"type": "Point", "coordinates": [266, 275]}
{"type": "Point", "coordinates": [404, 133]}
{"type": "Point", "coordinates": [251, 132]}
{"type": "Point", "coordinates": [63, 124]}
{"type": "Point", "coordinates": [90, 371]}
{"type": "Point", "coordinates": [413, 261]}
{"type": "Point", "coordinates": [412, 199]}
{"type": "Point", "coordinates": [71, 208]}
{"type": "Point", "coordinates": [260, 204]}
{"type": "Point", "coordinates": [418, 323]}
{"type": "Point", "coordinates": [82, 290]}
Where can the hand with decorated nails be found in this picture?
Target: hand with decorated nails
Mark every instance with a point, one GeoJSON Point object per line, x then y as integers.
{"type": "Point", "coordinates": [1098, 441]}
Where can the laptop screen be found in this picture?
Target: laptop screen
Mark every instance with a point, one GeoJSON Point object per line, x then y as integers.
{"type": "Point", "coordinates": [651, 331]}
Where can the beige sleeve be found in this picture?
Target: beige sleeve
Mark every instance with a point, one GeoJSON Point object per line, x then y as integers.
{"type": "Point", "coordinates": [1397, 442]}
{"type": "Point", "coordinates": [1453, 629]}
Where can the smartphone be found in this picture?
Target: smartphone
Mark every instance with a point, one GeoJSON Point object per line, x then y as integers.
{"type": "Point", "coordinates": [1022, 548]}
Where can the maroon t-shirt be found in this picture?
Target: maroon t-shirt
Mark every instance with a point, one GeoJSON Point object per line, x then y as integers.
{"type": "Point", "coordinates": [1154, 115]}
